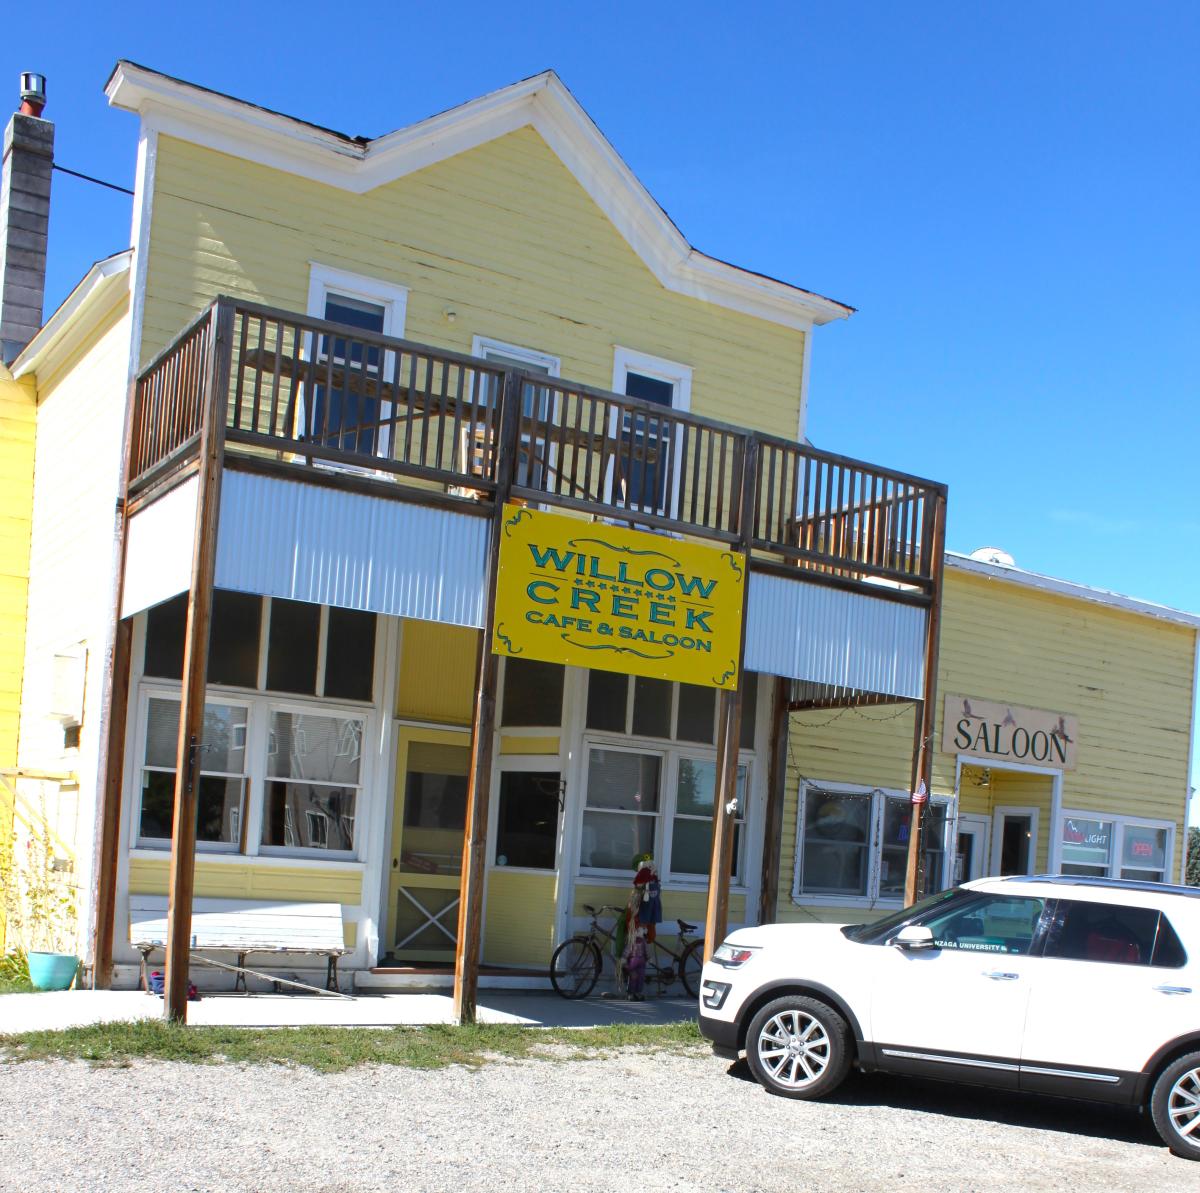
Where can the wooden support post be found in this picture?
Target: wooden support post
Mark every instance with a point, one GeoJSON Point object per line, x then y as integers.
{"type": "Point", "coordinates": [483, 725]}
{"type": "Point", "coordinates": [926, 711]}
{"type": "Point", "coordinates": [729, 731]}
{"type": "Point", "coordinates": [108, 828]}
{"type": "Point", "coordinates": [768, 895]}
{"type": "Point", "coordinates": [195, 665]}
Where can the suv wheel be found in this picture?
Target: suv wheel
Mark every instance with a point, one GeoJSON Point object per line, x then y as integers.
{"type": "Point", "coordinates": [798, 1047]}
{"type": "Point", "coordinates": [1175, 1106]}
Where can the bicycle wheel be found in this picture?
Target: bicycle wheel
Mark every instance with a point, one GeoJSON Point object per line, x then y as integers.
{"type": "Point", "coordinates": [691, 965]}
{"type": "Point", "coordinates": [575, 967]}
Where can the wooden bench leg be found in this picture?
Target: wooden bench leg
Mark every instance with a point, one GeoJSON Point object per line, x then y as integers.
{"type": "Point", "coordinates": [331, 974]}
{"type": "Point", "coordinates": [239, 982]}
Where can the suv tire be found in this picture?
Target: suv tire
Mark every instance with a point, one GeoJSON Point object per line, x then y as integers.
{"type": "Point", "coordinates": [1174, 1106]}
{"type": "Point", "coordinates": [798, 1047]}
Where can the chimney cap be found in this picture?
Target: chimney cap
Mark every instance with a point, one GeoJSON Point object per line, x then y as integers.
{"type": "Point", "coordinates": [33, 93]}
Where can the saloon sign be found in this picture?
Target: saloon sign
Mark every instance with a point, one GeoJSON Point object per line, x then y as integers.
{"type": "Point", "coordinates": [592, 595]}
{"type": "Point", "coordinates": [1009, 733]}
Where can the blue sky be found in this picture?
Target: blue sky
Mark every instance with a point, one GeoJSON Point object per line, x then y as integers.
{"type": "Point", "coordinates": [1007, 192]}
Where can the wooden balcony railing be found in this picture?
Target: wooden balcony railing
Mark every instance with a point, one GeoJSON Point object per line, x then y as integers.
{"type": "Point", "coordinates": [315, 395]}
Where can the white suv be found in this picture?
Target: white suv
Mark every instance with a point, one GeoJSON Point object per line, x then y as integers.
{"type": "Point", "coordinates": [1081, 987]}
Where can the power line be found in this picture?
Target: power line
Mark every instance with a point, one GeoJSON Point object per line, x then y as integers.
{"type": "Point", "coordinates": [112, 186]}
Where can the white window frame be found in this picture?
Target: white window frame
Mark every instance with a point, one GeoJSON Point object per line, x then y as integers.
{"type": "Point", "coordinates": [999, 812]}
{"type": "Point", "coordinates": [260, 703]}
{"type": "Point", "coordinates": [679, 376]}
{"type": "Point", "coordinates": [879, 797]}
{"type": "Point", "coordinates": [525, 764]}
{"type": "Point", "coordinates": [324, 280]}
{"type": "Point", "coordinates": [1120, 824]}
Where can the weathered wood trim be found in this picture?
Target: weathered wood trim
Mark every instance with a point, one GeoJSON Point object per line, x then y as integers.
{"type": "Point", "coordinates": [768, 895]}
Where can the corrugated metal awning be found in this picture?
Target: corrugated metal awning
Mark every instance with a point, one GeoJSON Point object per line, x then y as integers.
{"type": "Point", "coordinates": [829, 636]}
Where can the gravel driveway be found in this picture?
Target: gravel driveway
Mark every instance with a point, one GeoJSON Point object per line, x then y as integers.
{"type": "Point", "coordinates": [632, 1121]}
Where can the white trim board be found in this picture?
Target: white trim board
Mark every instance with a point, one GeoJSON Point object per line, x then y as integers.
{"type": "Point", "coordinates": [543, 102]}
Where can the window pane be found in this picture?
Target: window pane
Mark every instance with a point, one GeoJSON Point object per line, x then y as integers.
{"type": "Point", "coordinates": [1103, 932]}
{"type": "Point", "coordinates": [435, 809]}
{"type": "Point", "coordinates": [345, 416]}
{"type": "Point", "coordinates": [222, 743]}
{"type": "Point", "coordinates": [836, 832]}
{"type": "Point", "coordinates": [219, 807]}
{"type": "Point", "coordinates": [527, 819]}
{"type": "Point", "coordinates": [318, 748]}
{"type": "Point", "coordinates": [350, 654]}
{"type": "Point", "coordinates": [309, 816]}
{"type": "Point", "coordinates": [233, 641]}
{"type": "Point", "coordinates": [989, 924]}
{"type": "Point", "coordinates": [607, 693]}
{"type": "Point", "coordinates": [697, 711]}
{"type": "Point", "coordinates": [893, 861]}
{"type": "Point", "coordinates": [1169, 952]}
{"type": "Point", "coordinates": [749, 685]}
{"type": "Point", "coordinates": [1086, 846]}
{"type": "Point", "coordinates": [292, 648]}
{"type": "Point", "coordinates": [165, 628]}
{"type": "Point", "coordinates": [691, 847]}
{"type": "Point", "coordinates": [933, 826]}
{"type": "Point", "coordinates": [623, 779]}
{"type": "Point", "coordinates": [1143, 850]}
{"type": "Point", "coordinates": [695, 784]}
{"type": "Point", "coordinates": [651, 707]}
{"type": "Point", "coordinates": [611, 841]}
{"type": "Point", "coordinates": [533, 693]}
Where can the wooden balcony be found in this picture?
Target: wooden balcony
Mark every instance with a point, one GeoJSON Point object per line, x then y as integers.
{"type": "Point", "coordinates": [335, 405]}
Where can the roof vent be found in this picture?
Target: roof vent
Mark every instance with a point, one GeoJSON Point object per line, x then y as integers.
{"type": "Point", "coordinates": [994, 555]}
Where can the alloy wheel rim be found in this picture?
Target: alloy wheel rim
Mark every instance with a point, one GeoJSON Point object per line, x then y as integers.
{"type": "Point", "coordinates": [1183, 1105]}
{"type": "Point", "coordinates": [794, 1049]}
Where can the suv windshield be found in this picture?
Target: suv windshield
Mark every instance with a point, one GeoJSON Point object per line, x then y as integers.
{"type": "Point", "coordinates": [877, 931]}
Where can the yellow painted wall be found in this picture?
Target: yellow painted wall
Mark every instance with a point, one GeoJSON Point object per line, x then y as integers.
{"type": "Point", "coordinates": [519, 918]}
{"type": "Point", "coordinates": [1128, 678]}
{"type": "Point", "coordinates": [502, 234]}
{"type": "Point", "coordinates": [18, 413]}
{"type": "Point", "coordinates": [437, 672]}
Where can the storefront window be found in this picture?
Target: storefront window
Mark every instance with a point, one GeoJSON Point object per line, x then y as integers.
{"type": "Point", "coordinates": [662, 710]}
{"type": "Point", "coordinates": [622, 808]}
{"type": "Point", "coordinates": [1086, 846]}
{"type": "Point", "coordinates": [691, 834]}
{"type": "Point", "coordinates": [854, 845]}
{"type": "Point", "coordinates": [222, 788]}
{"type": "Point", "coordinates": [533, 693]}
{"type": "Point", "coordinates": [1144, 853]}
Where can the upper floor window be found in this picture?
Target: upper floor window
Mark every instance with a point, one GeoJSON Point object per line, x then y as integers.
{"type": "Point", "coordinates": [347, 410]}
{"type": "Point", "coordinates": [651, 480]}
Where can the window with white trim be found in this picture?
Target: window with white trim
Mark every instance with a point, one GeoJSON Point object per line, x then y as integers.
{"type": "Point", "coordinates": [340, 412]}
{"type": "Point", "coordinates": [651, 784]}
{"type": "Point", "coordinates": [852, 844]}
{"type": "Point", "coordinates": [651, 482]}
{"type": "Point", "coordinates": [288, 710]}
{"type": "Point", "coordinates": [1104, 846]}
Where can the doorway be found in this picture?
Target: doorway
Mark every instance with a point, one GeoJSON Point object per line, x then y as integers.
{"type": "Point", "coordinates": [971, 847]}
{"type": "Point", "coordinates": [1014, 841]}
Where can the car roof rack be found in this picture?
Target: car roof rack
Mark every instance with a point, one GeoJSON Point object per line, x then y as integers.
{"type": "Point", "coordinates": [1119, 884]}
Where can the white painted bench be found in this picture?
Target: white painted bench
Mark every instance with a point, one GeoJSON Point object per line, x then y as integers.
{"type": "Point", "coordinates": [245, 926]}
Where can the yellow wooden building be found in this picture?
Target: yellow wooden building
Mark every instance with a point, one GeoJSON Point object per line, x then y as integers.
{"type": "Point", "coordinates": [303, 413]}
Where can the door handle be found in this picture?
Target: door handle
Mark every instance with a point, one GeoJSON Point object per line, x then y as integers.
{"type": "Point", "coordinates": [1173, 989]}
{"type": "Point", "coordinates": [999, 975]}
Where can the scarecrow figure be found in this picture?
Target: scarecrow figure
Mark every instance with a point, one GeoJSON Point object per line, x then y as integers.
{"type": "Point", "coordinates": [643, 912]}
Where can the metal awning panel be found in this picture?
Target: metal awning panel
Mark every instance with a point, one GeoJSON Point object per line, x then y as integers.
{"type": "Point", "coordinates": [830, 636]}
{"type": "Point", "coordinates": [158, 549]}
{"type": "Point", "coordinates": [327, 546]}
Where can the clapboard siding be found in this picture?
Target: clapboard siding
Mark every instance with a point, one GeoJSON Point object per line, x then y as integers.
{"type": "Point", "coordinates": [519, 918]}
{"type": "Point", "coordinates": [222, 880]}
{"type": "Point", "coordinates": [501, 234]}
{"type": "Point", "coordinates": [1127, 677]}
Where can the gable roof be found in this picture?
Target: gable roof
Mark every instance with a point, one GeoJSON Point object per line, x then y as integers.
{"type": "Point", "coordinates": [360, 164]}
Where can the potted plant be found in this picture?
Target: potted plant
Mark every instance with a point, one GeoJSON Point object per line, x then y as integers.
{"type": "Point", "coordinates": [39, 906]}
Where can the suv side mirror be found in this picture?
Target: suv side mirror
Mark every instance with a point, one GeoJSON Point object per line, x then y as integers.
{"type": "Point", "coordinates": [914, 936]}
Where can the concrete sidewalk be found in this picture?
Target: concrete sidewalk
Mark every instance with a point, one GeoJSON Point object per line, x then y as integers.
{"type": "Point", "coordinates": [78, 1008]}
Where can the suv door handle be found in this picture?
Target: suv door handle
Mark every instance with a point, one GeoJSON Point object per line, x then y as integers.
{"type": "Point", "coordinates": [1173, 989]}
{"type": "Point", "coordinates": [999, 975]}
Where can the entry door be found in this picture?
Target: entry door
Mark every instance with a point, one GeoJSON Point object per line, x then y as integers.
{"type": "Point", "coordinates": [971, 849]}
{"type": "Point", "coordinates": [1014, 840]}
{"type": "Point", "coordinates": [428, 825]}
{"type": "Point", "coordinates": [524, 838]}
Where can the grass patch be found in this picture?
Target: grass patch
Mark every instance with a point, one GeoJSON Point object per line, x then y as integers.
{"type": "Point", "coordinates": [14, 974]}
{"type": "Point", "coordinates": [332, 1049]}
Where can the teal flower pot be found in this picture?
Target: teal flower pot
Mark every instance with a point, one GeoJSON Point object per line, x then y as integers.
{"type": "Point", "coordinates": [52, 971]}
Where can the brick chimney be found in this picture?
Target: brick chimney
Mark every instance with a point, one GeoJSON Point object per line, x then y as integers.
{"type": "Point", "coordinates": [24, 218]}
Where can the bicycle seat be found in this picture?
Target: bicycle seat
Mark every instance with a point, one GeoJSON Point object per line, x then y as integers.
{"type": "Point", "coordinates": [685, 927]}
{"type": "Point", "coordinates": [589, 909]}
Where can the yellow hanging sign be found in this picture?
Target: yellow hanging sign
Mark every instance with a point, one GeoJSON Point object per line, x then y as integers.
{"type": "Point", "coordinates": [591, 595]}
